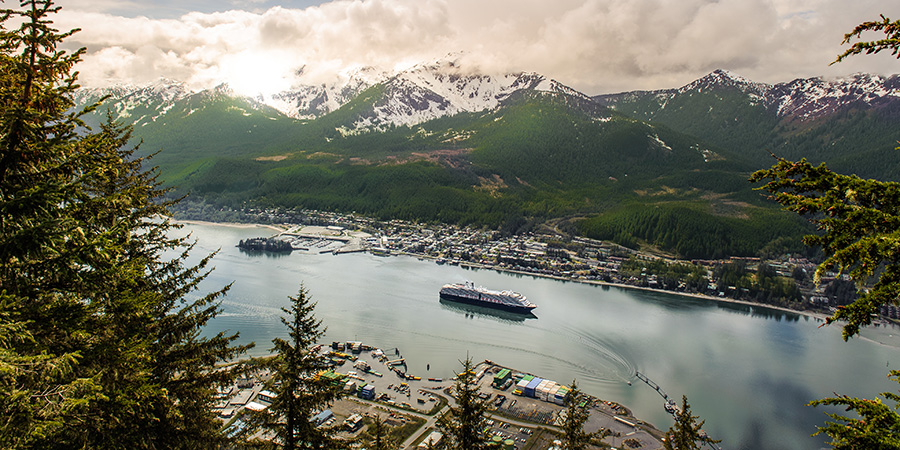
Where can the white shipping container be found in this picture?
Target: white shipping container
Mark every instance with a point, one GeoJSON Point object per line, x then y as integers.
{"type": "Point", "coordinates": [548, 388]}
{"type": "Point", "coordinates": [552, 393]}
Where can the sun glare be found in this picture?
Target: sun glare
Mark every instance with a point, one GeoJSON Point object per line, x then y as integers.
{"type": "Point", "coordinates": [257, 74]}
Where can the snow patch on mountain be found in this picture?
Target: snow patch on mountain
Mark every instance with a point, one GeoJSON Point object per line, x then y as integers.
{"type": "Point", "coordinates": [312, 101]}
{"type": "Point", "coordinates": [421, 93]}
{"type": "Point", "coordinates": [808, 99]}
{"type": "Point", "coordinates": [443, 88]}
{"type": "Point", "coordinates": [723, 78]}
{"type": "Point", "coordinates": [159, 97]}
{"type": "Point", "coordinates": [802, 99]}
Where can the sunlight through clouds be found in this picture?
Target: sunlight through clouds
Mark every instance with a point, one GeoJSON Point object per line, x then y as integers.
{"type": "Point", "coordinates": [596, 46]}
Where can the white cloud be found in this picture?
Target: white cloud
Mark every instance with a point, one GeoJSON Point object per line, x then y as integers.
{"type": "Point", "coordinates": [593, 45]}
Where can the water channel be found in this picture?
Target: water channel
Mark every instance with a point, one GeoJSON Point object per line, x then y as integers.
{"type": "Point", "coordinates": [749, 371]}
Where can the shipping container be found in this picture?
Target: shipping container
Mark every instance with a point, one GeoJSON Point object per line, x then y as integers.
{"type": "Point", "coordinates": [367, 392]}
{"type": "Point", "coordinates": [539, 391]}
{"type": "Point", "coordinates": [501, 377]}
{"type": "Point", "coordinates": [560, 396]}
{"type": "Point", "coordinates": [532, 385]}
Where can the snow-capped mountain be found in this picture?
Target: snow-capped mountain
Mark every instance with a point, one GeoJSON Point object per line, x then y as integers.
{"type": "Point", "coordinates": [427, 92]}
{"type": "Point", "coordinates": [801, 100]}
{"type": "Point", "coordinates": [312, 101]}
{"type": "Point", "coordinates": [419, 94]}
{"type": "Point", "coordinates": [164, 98]}
{"type": "Point", "coordinates": [151, 100]}
{"type": "Point", "coordinates": [849, 122]}
{"type": "Point", "coordinates": [812, 98]}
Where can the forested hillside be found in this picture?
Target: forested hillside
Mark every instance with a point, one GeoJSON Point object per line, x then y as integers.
{"type": "Point", "coordinates": [635, 174]}
{"type": "Point", "coordinates": [842, 122]}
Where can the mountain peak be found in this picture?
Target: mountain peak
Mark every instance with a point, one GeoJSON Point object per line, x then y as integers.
{"type": "Point", "coordinates": [720, 78]}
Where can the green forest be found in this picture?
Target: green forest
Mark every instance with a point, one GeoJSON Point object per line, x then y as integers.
{"type": "Point", "coordinates": [539, 157]}
{"type": "Point", "coordinates": [673, 178]}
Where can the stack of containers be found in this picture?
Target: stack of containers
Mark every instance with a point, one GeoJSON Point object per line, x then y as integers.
{"type": "Point", "coordinates": [520, 386]}
{"type": "Point", "coordinates": [539, 392]}
{"type": "Point", "coordinates": [560, 396]}
{"type": "Point", "coordinates": [367, 392]}
{"type": "Point", "coordinates": [551, 395]}
{"type": "Point", "coordinates": [501, 377]}
{"type": "Point", "coordinates": [543, 392]}
{"type": "Point", "coordinates": [532, 386]}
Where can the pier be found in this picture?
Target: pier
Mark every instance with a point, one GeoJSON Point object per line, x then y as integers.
{"type": "Point", "coordinates": [670, 405]}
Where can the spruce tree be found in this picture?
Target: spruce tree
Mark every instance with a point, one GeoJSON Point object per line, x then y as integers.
{"type": "Point", "coordinates": [874, 425]}
{"type": "Point", "coordinates": [463, 425]}
{"type": "Point", "coordinates": [301, 392]}
{"type": "Point", "coordinates": [99, 342]}
{"type": "Point", "coordinates": [686, 433]}
{"type": "Point", "coordinates": [574, 437]}
{"type": "Point", "coordinates": [379, 434]}
{"type": "Point", "coordinates": [859, 224]}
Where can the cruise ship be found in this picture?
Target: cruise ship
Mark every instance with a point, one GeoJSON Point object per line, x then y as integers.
{"type": "Point", "coordinates": [504, 300]}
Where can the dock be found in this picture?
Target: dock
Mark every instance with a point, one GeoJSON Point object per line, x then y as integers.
{"type": "Point", "coordinates": [670, 405]}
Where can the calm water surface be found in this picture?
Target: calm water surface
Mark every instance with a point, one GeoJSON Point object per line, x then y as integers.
{"type": "Point", "coordinates": [748, 371]}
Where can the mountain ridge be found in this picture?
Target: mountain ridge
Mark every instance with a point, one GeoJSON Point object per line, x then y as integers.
{"type": "Point", "coordinates": [435, 142]}
{"type": "Point", "coordinates": [791, 99]}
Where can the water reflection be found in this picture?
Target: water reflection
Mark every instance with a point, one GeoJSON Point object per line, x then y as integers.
{"type": "Point", "coordinates": [481, 311]}
{"type": "Point", "coordinates": [259, 253]}
{"type": "Point", "coordinates": [760, 311]}
{"type": "Point", "coordinates": [669, 301]}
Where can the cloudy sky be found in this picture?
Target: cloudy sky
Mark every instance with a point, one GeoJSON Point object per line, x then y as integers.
{"type": "Point", "coordinates": [596, 46]}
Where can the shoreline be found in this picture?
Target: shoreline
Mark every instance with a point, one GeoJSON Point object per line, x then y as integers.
{"type": "Point", "coordinates": [813, 314]}
{"type": "Point", "coordinates": [231, 224]}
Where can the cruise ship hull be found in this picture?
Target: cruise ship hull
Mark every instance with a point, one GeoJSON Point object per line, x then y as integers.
{"type": "Point", "coordinates": [487, 304]}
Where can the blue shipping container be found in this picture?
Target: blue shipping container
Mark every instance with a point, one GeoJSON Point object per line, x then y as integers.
{"type": "Point", "coordinates": [532, 385]}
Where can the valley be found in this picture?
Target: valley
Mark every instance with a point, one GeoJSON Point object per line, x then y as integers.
{"type": "Point", "coordinates": [434, 143]}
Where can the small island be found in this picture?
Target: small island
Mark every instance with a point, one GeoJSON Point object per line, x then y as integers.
{"type": "Point", "coordinates": [265, 245]}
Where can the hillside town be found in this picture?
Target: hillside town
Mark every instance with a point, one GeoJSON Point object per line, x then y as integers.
{"type": "Point", "coordinates": [786, 282]}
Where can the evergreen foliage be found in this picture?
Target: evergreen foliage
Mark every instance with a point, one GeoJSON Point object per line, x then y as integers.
{"type": "Point", "coordinates": [686, 433]}
{"type": "Point", "coordinates": [379, 435]}
{"type": "Point", "coordinates": [574, 437]}
{"type": "Point", "coordinates": [463, 425]}
{"type": "Point", "coordinates": [891, 41]}
{"type": "Point", "coordinates": [689, 231]}
{"type": "Point", "coordinates": [877, 425]}
{"type": "Point", "coordinates": [301, 392]}
{"type": "Point", "coordinates": [99, 340]}
{"type": "Point", "coordinates": [859, 225]}
{"type": "Point", "coordinates": [859, 221]}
